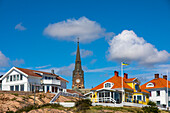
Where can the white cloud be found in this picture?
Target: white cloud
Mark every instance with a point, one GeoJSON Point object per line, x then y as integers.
{"type": "Point", "coordinates": [65, 70]}
{"type": "Point", "coordinates": [39, 67]}
{"type": "Point", "coordinates": [20, 27]}
{"type": "Point", "coordinates": [93, 61]}
{"type": "Point", "coordinates": [4, 61]}
{"type": "Point", "coordinates": [84, 53]}
{"type": "Point", "coordinates": [18, 62]}
{"type": "Point", "coordinates": [70, 29]}
{"type": "Point", "coordinates": [129, 47]}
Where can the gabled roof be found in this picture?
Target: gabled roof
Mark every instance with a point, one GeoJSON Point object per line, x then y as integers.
{"type": "Point", "coordinates": [130, 79]}
{"type": "Point", "coordinates": [34, 73]}
{"type": "Point", "coordinates": [117, 83]}
{"type": "Point", "coordinates": [158, 83]}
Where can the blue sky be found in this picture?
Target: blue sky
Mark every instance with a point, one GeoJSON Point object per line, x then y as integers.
{"type": "Point", "coordinates": [32, 36]}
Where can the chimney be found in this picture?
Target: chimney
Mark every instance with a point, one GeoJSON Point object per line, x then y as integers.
{"type": "Point", "coordinates": [52, 71]}
{"type": "Point", "coordinates": [116, 73]}
{"type": "Point", "coordinates": [165, 77]}
{"type": "Point", "coordinates": [126, 75]}
{"type": "Point", "coordinates": [156, 76]}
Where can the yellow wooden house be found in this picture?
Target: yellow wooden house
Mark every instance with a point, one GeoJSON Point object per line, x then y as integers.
{"type": "Point", "coordinates": [110, 91]}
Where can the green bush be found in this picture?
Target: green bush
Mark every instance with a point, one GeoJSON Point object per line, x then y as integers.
{"type": "Point", "coordinates": [16, 94]}
{"type": "Point", "coordinates": [151, 103]}
{"type": "Point", "coordinates": [13, 99]}
{"type": "Point", "coordinates": [152, 108]}
{"type": "Point", "coordinates": [83, 105]}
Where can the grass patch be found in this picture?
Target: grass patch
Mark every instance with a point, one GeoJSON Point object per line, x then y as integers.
{"type": "Point", "coordinates": [13, 99]}
{"type": "Point", "coordinates": [32, 107]}
{"type": "Point", "coordinates": [123, 109]}
{"type": "Point", "coordinates": [16, 94]}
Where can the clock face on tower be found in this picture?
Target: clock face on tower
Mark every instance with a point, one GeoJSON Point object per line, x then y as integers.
{"type": "Point", "coordinates": [77, 80]}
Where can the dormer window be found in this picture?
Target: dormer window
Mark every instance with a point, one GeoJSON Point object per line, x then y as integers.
{"type": "Point", "coordinates": [108, 85]}
{"type": "Point", "coordinates": [150, 85]}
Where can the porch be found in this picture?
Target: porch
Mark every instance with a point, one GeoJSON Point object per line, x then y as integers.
{"type": "Point", "coordinates": [106, 96]}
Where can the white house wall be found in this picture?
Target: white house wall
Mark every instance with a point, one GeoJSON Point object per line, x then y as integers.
{"type": "Point", "coordinates": [6, 85]}
{"type": "Point", "coordinates": [161, 98]}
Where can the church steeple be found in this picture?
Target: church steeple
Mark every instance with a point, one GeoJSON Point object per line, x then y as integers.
{"type": "Point", "coordinates": [78, 51]}
{"type": "Point", "coordinates": [78, 73]}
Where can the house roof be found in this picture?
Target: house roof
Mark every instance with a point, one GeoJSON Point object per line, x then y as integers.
{"type": "Point", "coordinates": [72, 91]}
{"type": "Point", "coordinates": [130, 79]}
{"type": "Point", "coordinates": [143, 90]}
{"type": "Point", "coordinates": [158, 83]}
{"type": "Point", "coordinates": [117, 83]}
{"type": "Point", "coordinates": [30, 72]}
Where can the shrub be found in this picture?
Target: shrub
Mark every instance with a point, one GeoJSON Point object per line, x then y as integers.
{"type": "Point", "coordinates": [16, 94]}
{"type": "Point", "coordinates": [151, 103]}
{"type": "Point", "coordinates": [83, 105]}
{"type": "Point", "coordinates": [13, 99]}
{"type": "Point", "coordinates": [152, 108]}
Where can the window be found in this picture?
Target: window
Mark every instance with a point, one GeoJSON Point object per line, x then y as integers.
{"type": "Point", "coordinates": [157, 93]}
{"type": "Point", "coordinates": [150, 85]}
{"type": "Point", "coordinates": [14, 77]}
{"type": "Point", "coordinates": [21, 76]}
{"type": "Point", "coordinates": [7, 79]}
{"type": "Point", "coordinates": [17, 88]}
{"type": "Point", "coordinates": [22, 87]}
{"type": "Point", "coordinates": [11, 88]}
{"type": "Point", "coordinates": [139, 97]}
{"type": "Point", "coordinates": [45, 77]}
{"type": "Point", "coordinates": [17, 77]}
{"type": "Point", "coordinates": [134, 97]}
{"type": "Point", "coordinates": [136, 87]}
{"type": "Point", "coordinates": [10, 78]}
{"type": "Point", "coordinates": [108, 85]}
{"type": "Point", "coordinates": [169, 103]}
{"type": "Point", "coordinates": [168, 93]}
{"type": "Point", "coordinates": [158, 102]}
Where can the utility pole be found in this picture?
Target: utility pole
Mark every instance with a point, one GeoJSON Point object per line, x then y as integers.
{"type": "Point", "coordinates": [167, 93]}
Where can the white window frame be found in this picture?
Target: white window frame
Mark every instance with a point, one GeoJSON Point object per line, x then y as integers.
{"type": "Point", "coordinates": [111, 85]}
{"type": "Point", "coordinates": [150, 85]}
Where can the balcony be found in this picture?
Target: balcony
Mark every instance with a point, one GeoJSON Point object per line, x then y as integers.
{"type": "Point", "coordinates": [55, 82]}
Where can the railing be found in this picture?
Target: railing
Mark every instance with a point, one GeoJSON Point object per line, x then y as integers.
{"type": "Point", "coordinates": [64, 94]}
{"type": "Point", "coordinates": [55, 97]}
{"type": "Point", "coordinates": [58, 82]}
{"type": "Point", "coordinates": [104, 99]}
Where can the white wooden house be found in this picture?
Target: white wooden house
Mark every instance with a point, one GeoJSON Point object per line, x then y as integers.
{"type": "Point", "coordinates": [20, 79]}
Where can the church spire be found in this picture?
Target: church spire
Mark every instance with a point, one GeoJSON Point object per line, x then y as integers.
{"type": "Point", "coordinates": [78, 51]}
{"type": "Point", "coordinates": [78, 73]}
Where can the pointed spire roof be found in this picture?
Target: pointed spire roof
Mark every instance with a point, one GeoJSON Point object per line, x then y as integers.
{"type": "Point", "coordinates": [78, 51]}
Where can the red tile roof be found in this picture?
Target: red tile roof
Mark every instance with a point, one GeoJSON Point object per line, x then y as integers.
{"type": "Point", "coordinates": [117, 83]}
{"type": "Point", "coordinates": [158, 83]}
{"type": "Point", "coordinates": [130, 79]}
{"type": "Point", "coordinates": [143, 90]}
{"type": "Point", "coordinates": [30, 72]}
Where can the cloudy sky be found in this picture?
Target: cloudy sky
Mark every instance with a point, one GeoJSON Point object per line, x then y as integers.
{"type": "Point", "coordinates": [41, 35]}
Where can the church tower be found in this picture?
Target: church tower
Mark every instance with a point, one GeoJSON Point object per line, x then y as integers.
{"type": "Point", "coordinates": [78, 73]}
